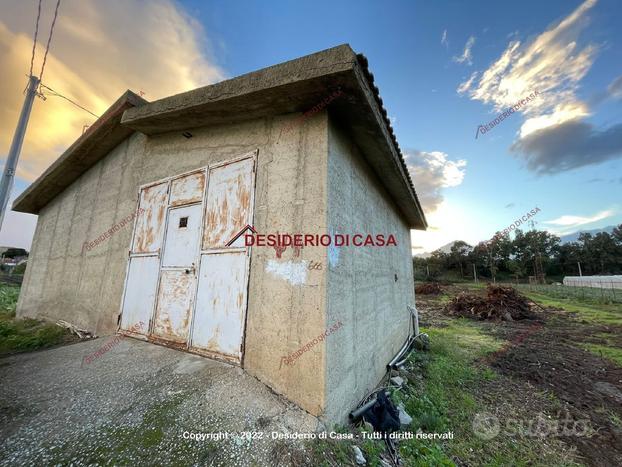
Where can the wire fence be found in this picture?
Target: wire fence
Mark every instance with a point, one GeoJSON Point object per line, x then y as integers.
{"type": "Point", "coordinates": [588, 294]}
{"type": "Point", "coordinates": [602, 282]}
{"type": "Point", "coordinates": [11, 279]}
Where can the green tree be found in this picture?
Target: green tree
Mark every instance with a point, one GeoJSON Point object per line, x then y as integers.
{"type": "Point", "coordinates": [568, 257]}
{"type": "Point", "coordinates": [601, 253]}
{"type": "Point", "coordinates": [438, 263]}
{"type": "Point", "coordinates": [534, 247]}
{"type": "Point", "coordinates": [459, 255]}
{"type": "Point", "coordinates": [14, 253]}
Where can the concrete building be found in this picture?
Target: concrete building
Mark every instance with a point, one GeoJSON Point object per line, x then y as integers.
{"type": "Point", "coordinates": [136, 220]}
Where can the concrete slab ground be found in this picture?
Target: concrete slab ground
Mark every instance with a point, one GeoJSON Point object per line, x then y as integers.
{"type": "Point", "coordinates": [134, 405]}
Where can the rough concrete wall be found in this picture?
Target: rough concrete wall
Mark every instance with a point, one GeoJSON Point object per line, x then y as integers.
{"type": "Point", "coordinates": [284, 314]}
{"type": "Point", "coordinates": [363, 292]}
{"type": "Point", "coordinates": [85, 287]}
{"type": "Point", "coordinates": [290, 197]}
{"type": "Point", "coordinates": [64, 280]}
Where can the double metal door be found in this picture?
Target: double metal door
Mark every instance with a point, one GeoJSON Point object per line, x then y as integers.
{"type": "Point", "coordinates": [182, 277]}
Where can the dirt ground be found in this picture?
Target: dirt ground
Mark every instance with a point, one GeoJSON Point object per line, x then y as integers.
{"type": "Point", "coordinates": [544, 355]}
{"type": "Point", "coordinates": [590, 386]}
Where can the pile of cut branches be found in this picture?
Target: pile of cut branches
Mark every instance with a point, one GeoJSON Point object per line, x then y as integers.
{"type": "Point", "coordinates": [500, 303]}
{"type": "Point", "coordinates": [429, 288]}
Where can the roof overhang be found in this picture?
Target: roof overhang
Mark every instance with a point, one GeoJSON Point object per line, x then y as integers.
{"type": "Point", "coordinates": [97, 141]}
{"type": "Point", "coordinates": [296, 86]}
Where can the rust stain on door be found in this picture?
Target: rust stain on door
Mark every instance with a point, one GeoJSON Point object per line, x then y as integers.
{"type": "Point", "coordinates": [150, 223]}
{"type": "Point", "coordinates": [228, 202]}
{"type": "Point", "coordinates": [172, 319]}
{"type": "Point", "coordinates": [187, 189]}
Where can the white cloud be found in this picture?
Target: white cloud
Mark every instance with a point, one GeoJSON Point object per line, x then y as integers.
{"type": "Point", "coordinates": [449, 221]}
{"type": "Point", "coordinates": [99, 50]}
{"type": "Point", "coordinates": [615, 88]}
{"type": "Point", "coordinates": [576, 221]}
{"type": "Point", "coordinates": [553, 63]}
{"type": "Point", "coordinates": [464, 87]}
{"type": "Point", "coordinates": [444, 40]}
{"type": "Point", "coordinates": [466, 54]}
{"type": "Point", "coordinates": [17, 229]}
{"type": "Point", "coordinates": [431, 173]}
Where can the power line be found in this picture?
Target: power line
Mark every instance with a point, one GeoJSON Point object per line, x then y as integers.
{"type": "Point", "coordinates": [68, 99]}
{"type": "Point", "coordinates": [34, 84]}
{"type": "Point", "coordinates": [49, 40]}
{"type": "Point", "coordinates": [34, 42]}
{"type": "Point", "coordinates": [47, 48]}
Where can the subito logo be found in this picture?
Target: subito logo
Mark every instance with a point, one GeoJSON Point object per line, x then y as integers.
{"type": "Point", "coordinates": [485, 425]}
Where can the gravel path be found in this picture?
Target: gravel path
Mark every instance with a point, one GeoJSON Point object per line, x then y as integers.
{"type": "Point", "coordinates": [136, 405]}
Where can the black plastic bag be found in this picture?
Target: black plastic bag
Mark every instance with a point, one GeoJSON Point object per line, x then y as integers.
{"type": "Point", "coordinates": [383, 415]}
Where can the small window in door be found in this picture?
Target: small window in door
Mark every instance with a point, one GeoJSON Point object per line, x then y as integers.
{"type": "Point", "coordinates": [183, 222]}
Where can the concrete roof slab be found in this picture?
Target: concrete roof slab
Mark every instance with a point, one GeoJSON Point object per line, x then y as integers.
{"type": "Point", "coordinates": [294, 86]}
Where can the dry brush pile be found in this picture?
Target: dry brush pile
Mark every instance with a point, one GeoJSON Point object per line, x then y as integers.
{"type": "Point", "coordinates": [500, 303]}
{"type": "Point", "coordinates": [429, 288]}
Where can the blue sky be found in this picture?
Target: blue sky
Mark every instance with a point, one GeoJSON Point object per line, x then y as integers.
{"type": "Point", "coordinates": [561, 152]}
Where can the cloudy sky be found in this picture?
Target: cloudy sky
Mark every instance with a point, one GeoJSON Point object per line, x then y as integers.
{"type": "Point", "coordinates": [443, 69]}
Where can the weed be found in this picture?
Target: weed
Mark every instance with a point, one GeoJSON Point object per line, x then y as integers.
{"type": "Point", "coordinates": [22, 335]}
{"type": "Point", "coordinates": [615, 419]}
{"type": "Point", "coordinates": [613, 354]}
{"type": "Point", "coordinates": [8, 300]}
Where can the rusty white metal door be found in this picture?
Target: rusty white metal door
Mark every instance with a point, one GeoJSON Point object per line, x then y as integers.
{"type": "Point", "coordinates": [181, 246]}
{"type": "Point", "coordinates": [221, 303]}
{"type": "Point", "coordinates": [140, 293]}
{"type": "Point", "coordinates": [156, 274]}
{"type": "Point", "coordinates": [220, 309]}
{"type": "Point", "coordinates": [144, 262]}
{"type": "Point", "coordinates": [178, 274]}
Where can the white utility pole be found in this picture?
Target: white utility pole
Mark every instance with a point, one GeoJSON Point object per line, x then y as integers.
{"type": "Point", "coordinates": [6, 184]}
{"type": "Point", "coordinates": [579, 263]}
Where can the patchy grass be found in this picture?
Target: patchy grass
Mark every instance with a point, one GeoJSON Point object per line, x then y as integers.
{"type": "Point", "coordinates": [509, 397]}
{"type": "Point", "coordinates": [443, 299]}
{"type": "Point", "coordinates": [439, 402]}
{"type": "Point", "coordinates": [148, 434]}
{"type": "Point", "coordinates": [23, 335]}
{"type": "Point", "coordinates": [589, 312]}
{"type": "Point", "coordinates": [332, 452]}
{"type": "Point", "coordinates": [443, 394]}
{"type": "Point", "coordinates": [611, 353]}
{"type": "Point", "coordinates": [589, 295]}
{"type": "Point", "coordinates": [156, 433]}
{"type": "Point", "coordinates": [606, 345]}
{"type": "Point", "coordinates": [446, 399]}
{"type": "Point", "coordinates": [602, 313]}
